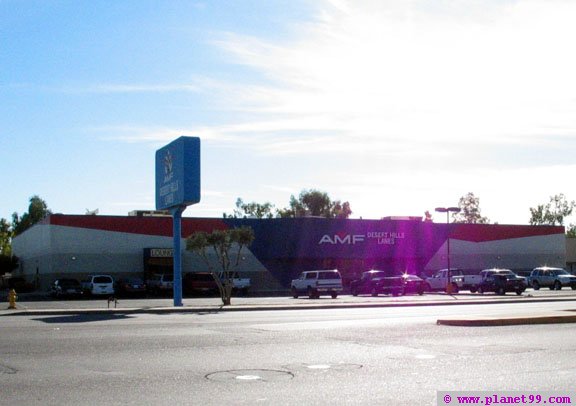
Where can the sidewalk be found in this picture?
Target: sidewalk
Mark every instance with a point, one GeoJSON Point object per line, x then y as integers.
{"type": "Point", "coordinates": [36, 307]}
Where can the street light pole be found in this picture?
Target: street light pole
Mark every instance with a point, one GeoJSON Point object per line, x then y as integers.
{"type": "Point", "coordinates": [448, 210]}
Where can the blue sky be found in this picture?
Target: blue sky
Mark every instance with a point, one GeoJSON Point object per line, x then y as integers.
{"type": "Point", "coordinates": [395, 106]}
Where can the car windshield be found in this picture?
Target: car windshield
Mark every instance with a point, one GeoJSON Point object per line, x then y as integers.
{"type": "Point", "coordinates": [329, 275]}
{"type": "Point", "coordinates": [375, 274]}
{"type": "Point", "coordinates": [503, 273]}
{"type": "Point", "coordinates": [134, 281]}
{"type": "Point", "coordinates": [102, 279]}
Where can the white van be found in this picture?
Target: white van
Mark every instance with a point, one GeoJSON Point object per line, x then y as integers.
{"type": "Point", "coordinates": [99, 285]}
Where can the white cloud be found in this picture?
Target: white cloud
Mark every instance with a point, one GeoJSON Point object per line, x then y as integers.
{"type": "Point", "coordinates": [402, 75]}
{"type": "Point", "coordinates": [378, 71]}
{"type": "Point", "coordinates": [420, 101]}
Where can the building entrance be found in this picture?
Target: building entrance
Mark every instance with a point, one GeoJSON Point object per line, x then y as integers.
{"type": "Point", "coordinates": [158, 261]}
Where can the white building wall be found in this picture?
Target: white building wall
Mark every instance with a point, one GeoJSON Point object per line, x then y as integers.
{"type": "Point", "coordinates": [52, 252]}
{"type": "Point", "coordinates": [517, 253]}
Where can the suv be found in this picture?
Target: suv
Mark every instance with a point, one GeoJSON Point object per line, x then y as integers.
{"type": "Point", "coordinates": [314, 283]}
{"type": "Point", "coordinates": [554, 278]}
{"type": "Point", "coordinates": [99, 285]}
{"type": "Point", "coordinates": [501, 281]}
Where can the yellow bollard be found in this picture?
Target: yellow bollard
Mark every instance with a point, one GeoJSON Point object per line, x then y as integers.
{"type": "Point", "coordinates": [12, 299]}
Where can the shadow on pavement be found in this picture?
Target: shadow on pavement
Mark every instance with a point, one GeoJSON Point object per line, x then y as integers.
{"type": "Point", "coordinates": [83, 318]}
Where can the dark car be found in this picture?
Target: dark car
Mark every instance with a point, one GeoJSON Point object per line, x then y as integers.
{"type": "Point", "coordinates": [375, 282]}
{"type": "Point", "coordinates": [199, 283]}
{"type": "Point", "coordinates": [66, 288]}
{"type": "Point", "coordinates": [501, 281]}
{"type": "Point", "coordinates": [413, 284]}
{"type": "Point", "coordinates": [20, 285]}
{"type": "Point", "coordinates": [131, 287]}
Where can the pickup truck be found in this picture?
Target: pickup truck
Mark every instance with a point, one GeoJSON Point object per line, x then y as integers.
{"type": "Point", "coordinates": [240, 285]}
{"type": "Point", "coordinates": [160, 284]}
{"type": "Point", "coordinates": [375, 282]}
{"type": "Point", "coordinates": [200, 283]}
{"type": "Point", "coordinates": [501, 281]}
{"type": "Point", "coordinates": [452, 281]}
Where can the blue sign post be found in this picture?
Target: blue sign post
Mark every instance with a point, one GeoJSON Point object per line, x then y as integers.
{"type": "Point", "coordinates": [177, 187]}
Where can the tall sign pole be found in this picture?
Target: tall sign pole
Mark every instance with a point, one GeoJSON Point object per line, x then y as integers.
{"type": "Point", "coordinates": [177, 242]}
{"type": "Point", "coordinates": [177, 187]}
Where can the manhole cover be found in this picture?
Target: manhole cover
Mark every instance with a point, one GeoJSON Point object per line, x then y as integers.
{"type": "Point", "coordinates": [250, 375]}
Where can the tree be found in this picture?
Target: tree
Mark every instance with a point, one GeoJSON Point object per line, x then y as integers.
{"type": "Point", "coordinates": [341, 210]}
{"type": "Point", "coordinates": [8, 262]}
{"type": "Point", "coordinates": [315, 203]}
{"type": "Point", "coordinates": [257, 210]}
{"type": "Point", "coordinates": [37, 211]}
{"type": "Point", "coordinates": [6, 234]}
{"type": "Point", "coordinates": [552, 213]}
{"type": "Point", "coordinates": [227, 246]}
{"type": "Point", "coordinates": [469, 211]}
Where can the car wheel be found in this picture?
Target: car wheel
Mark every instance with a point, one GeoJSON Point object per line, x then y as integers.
{"type": "Point", "coordinates": [334, 295]}
{"type": "Point", "coordinates": [311, 294]}
{"type": "Point", "coordinates": [573, 287]}
{"type": "Point", "coordinates": [500, 291]}
{"type": "Point", "coordinates": [519, 291]}
{"type": "Point", "coordinates": [294, 293]}
{"type": "Point", "coordinates": [374, 292]}
{"type": "Point", "coordinates": [480, 290]}
{"type": "Point", "coordinates": [354, 291]}
{"type": "Point", "coordinates": [557, 285]}
{"type": "Point", "coordinates": [535, 285]}
{"type": "Point", "coordinates": [473, 289]}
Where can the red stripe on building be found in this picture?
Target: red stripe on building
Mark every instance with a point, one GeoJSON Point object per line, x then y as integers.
{"type": "Point", "coordinates": [487, 232]}
{"type": "Point", "coordinates": [161, 226]}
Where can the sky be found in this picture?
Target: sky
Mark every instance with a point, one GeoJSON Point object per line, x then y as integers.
{"type": "Point", "coordinates": [396, 106]}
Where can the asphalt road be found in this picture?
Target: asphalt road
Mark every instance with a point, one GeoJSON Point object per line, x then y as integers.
{"type": "Point", "coordinates": [383, 356]}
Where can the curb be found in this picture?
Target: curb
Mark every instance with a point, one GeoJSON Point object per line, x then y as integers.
{"type": "Point", "coordinates": [508, 321]}
{"type": "Point", "coordinates": [471, 321]}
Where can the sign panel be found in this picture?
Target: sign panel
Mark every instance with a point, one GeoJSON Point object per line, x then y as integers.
{"type": "Point", "coordinates": [178, 173]}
